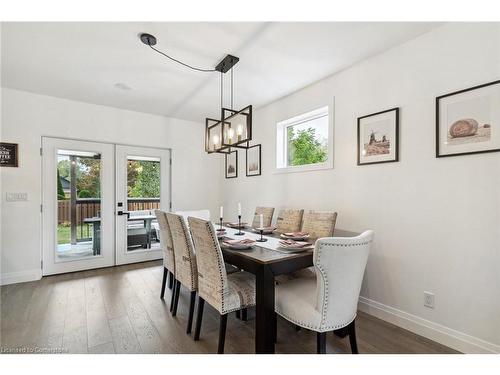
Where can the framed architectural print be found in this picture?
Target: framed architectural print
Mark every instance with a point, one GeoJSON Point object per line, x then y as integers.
{"type": "Point", "coordinates": [378, 137]}
{"type": "Point", "coordinates": [468, 121]}
{"type": "Point", "coordinates": [231, 164]}
{"type": "Point", "coordinates": [9, 155]}
{"type": "Point", "coordinates": [253, 161]}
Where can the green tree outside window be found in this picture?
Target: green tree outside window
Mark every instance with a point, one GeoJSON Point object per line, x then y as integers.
{"type": "Point", "coordinates": [304, 147]}
{"type": "Point", "coordinates": [143, 179]}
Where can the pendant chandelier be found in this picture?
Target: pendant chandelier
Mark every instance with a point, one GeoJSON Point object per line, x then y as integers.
{"type": "Point", "coordinates": [234, 128]}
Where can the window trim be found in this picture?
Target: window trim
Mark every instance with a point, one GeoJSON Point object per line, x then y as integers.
{"type": "Point", "coordinates": [281, 149]}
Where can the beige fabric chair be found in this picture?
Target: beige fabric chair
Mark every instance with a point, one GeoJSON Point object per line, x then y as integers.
{"type": "Point", "coordinates": [319, 223]}
{"type": "Point", "coordinates": [328, 301]}
{"type": "Point", "coordinates": [289, 220]}
{"type": "Point", "coordinates": [226, 293]}
{"type": "Point", "coordinates": [167, 248]}
{"type": "Point", "coordinates": [186, 272]}
{"type": "Point", "coordinates": [267, 213]}
{"type": "Point", "coordinates": [201, 214]}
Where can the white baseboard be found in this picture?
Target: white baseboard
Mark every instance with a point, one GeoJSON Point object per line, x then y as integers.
{"type": "Point", "coordinates": [20, 277]}
{"type": "Point", "coordinates": [433, 331]}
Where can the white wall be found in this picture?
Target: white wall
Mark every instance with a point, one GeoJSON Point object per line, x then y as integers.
{"type": "Point", "coordinates": [1, 138]}
{"type": "Point", "coordinates": [436, 221]}
{"type": "Point", "coordinates": [26, 117]}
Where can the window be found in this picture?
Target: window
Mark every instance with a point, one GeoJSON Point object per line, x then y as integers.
{"type": "Point", "coordinates": [304, 142]}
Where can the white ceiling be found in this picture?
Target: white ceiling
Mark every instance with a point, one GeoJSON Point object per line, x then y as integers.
{"type": "Point", "coordinates": [86, 61]}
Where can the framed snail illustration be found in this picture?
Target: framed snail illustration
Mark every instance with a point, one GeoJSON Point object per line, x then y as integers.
{"type": "Point", "coordinates": [468, 121]}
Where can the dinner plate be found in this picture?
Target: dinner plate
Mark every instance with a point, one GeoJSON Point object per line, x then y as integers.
{"type": "Point", "coordinates": [267, 230]}
{"type": "Point", "coordinates": [295, 246]}
{"type": "Point", "coordinates": [236, 225]}
{"type": "Point", "coordinates": [295, 238]}
{"type": "Point", "coordinates": [294, 249]}
{"type": "Point", "coordinates": [238, 245]}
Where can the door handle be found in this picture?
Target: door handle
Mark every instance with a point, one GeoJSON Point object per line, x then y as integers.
{"type": "Point", "coordinates": [120, 213]}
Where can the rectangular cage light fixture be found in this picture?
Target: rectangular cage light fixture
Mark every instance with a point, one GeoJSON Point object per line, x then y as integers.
{"type": "Point", "coordinates": [234, 131]}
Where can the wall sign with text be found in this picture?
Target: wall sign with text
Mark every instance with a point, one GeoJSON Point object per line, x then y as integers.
{"type": "Point", "coordinates": [8, 154]}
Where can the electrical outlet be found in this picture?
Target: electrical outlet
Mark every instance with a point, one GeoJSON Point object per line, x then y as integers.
{"type": "Point", "coordinates": [429, 299]}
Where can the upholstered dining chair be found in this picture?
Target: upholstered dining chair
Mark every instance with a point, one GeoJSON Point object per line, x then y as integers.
{"type": "Point", "coordinates": [224, 292]}
{"type": "Point", "coordinates": [328, 301]}
{"type": "Point", "coordinates": [319, 223]}
{"type": "Point", "coordinates": [267, 216]}
{"type": "Point", "coordinates": [289, 220]}
{"type": "Point", "coordinates": [168, 253]}
{"type": "Point", "coordinates": [186, 273]}
{"type": "Point", "coordinates": [200, 214]}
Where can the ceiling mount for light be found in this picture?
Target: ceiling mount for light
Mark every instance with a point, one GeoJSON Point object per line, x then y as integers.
{"type": "Point", "coordinates": [227, 63]}
{"type": "Point", "coordinates": [148, 39]}
{"type": "Point", "coordinates": [234, 129]}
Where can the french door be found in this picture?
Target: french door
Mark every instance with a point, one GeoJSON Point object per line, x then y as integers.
{"type": "Point", "coordinates": [77, 205]}
{"type": "Point", "coordinates": [98, 202]}
{"type": "Point", "coordinates": [142, 185]}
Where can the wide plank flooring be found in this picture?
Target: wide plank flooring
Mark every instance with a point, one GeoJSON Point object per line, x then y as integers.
{"type": "Point", "coordinates": [118, 310]}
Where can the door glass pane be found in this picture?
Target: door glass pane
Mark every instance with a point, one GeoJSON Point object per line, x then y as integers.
{"type": "Point", "coordinates": [78, 205]}
{"type": "Point", "coordinates": [143, 197]}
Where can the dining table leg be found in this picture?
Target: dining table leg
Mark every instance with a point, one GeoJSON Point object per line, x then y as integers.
{"type": "Point", "coordinates": [264, 310]}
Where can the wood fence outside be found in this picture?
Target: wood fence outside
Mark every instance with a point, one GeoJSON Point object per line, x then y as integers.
{"type": "Point", "coordinates": [90, 207]}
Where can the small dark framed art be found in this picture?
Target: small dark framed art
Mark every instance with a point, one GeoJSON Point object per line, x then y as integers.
{"type": "Point", "coordinates": [378, 137]}
{"type": "Point", "coordinates": [231, 164]}
{"type": "Point", "coordinates": [9, 154]}
{"type": "Point", "coordinates": [253, 167]}
{"type": "Point", "coordinates": [468, 121]}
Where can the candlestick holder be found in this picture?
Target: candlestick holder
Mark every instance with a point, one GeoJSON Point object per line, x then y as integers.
{"type": "Point", "coordinates": [220, 229]}
{"type": "Point", "coordinates": [261, 239]}
{"type": "Point", "coordinates": [239, 232]}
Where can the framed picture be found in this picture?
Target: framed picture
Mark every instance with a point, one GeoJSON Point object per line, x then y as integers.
{"type": "Point", "coordinates": [378, 137]}
{"type": "Point", "coordinates": [468, 121]}
{"type": "Point", "coordinates": [253, 161]}
{"type": "Point", "coordinates": [9, 154]}
{"type": "Point", "coordinates": [231, 164]}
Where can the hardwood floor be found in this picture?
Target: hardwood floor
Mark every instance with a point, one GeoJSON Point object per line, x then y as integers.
{"type": "Point", "coordinates": [118, 310]}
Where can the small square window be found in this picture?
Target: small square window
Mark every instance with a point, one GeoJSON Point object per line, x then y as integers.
{"type": "Point", "coordinates": [303, 142]}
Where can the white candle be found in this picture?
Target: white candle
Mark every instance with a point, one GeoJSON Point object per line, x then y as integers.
{"type": "Point", "coordinates": [239, 209]}
{"type": "Point", "coordinates": [221, 212]}
{"type": "Point", "coordinates": [261, 219]}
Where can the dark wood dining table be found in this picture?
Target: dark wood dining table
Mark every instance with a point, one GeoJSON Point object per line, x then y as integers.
{"type": "Point", "coordinates": [266, 264]}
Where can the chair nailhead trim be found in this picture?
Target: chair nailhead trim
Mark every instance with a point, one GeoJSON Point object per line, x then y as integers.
{"type": "Point", "coordinates": [346, 245]}
{"type": "Point", "coordinates": [189, 258]}
{"type": "Point", "coordinates": [321, 327]}
{"type": "Point", "coordinates": [323, 274]}
{"type": "Point", "coordinates": [219, 264]}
